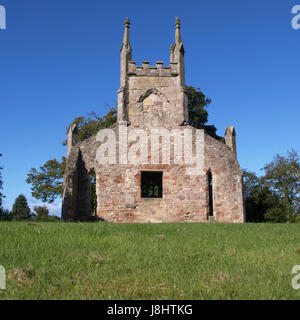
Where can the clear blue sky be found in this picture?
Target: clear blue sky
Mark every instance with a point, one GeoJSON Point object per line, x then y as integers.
{"type": "Point", "coordinates": [60, 59]}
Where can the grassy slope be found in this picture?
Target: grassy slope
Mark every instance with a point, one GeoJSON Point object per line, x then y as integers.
{"type": "Point", "coordinates": [150, 261]}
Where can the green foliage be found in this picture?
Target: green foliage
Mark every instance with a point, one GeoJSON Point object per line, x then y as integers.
{"type": "Point", "coordinates": [91, 123]}
{"type": "Point", "coordinates": [42, 213]}
{"type": "Point", "coordinates": [5, 215]}
{"type": "Point", "coordinates": [251, 182]}
{"type": "Point", "coordinates": [274, 197]}
{"type": "Point", "coordinates": [21, 210]}
{"type": "Point", "coordinates": [295, 218]}
{"type": "Point", "coordinates": [47, 183]}
{"type": "Point", "coordinates": [258, 198]}
{"type": "Point", "coordinates": [198, 115]}
{"type": "Point", "coordinates": [282, 175]}
{"type": "Point", "coordinates": [280, 213]}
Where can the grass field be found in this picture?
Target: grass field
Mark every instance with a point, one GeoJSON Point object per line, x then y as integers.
{"type": "Point", "coordinates": [150, 261]}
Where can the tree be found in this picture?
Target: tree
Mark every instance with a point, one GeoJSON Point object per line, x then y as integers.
{"type": "Point", "coordinates": [91, 123]}
{"type": "Point", "coordinates": [5, 215]}
{"type": "Point", "coordinates": [21, 210]}
{"type": "Point", "coordinates": [279, 213]}
{"type": "Point", "coordinates": [198, 115]}
{"type": "Point", "coordinates": [47, 183]}
{"type": "Point", "coordinates": [282, 176]}
{"type": "Point", "coordinates": [295, 218]}
{"type": "Point", "coordinates": [259, 199]}
{"type": "Point", "coordinates": [261, 206]}
{"type": "Point", "coordinates": [274, 197]}
{"type": "Point", "coordinates": [42, 213]}
{"type": "Point", "coordinates": [251, 182]}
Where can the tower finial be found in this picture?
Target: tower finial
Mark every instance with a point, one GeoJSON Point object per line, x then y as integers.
{"type": "Point", "coordinates": [177, 32]}
{"type": "Point", "coordinates": [126, 33]}
{"type": "Point", "coordinates": [179, 52]}
{"type": "Point", "coordinates": [127, 22]}
{"type": "Point", "coordinates": [125, 57]}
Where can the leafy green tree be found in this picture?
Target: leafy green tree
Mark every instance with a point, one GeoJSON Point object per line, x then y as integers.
{"type": "Point", "coordinates": [274, 197]}
{"type": "Point", "coordinates": [21, 210]}
{"type": "Point", "coordinates": [279, 213]}
{"type": "Point", "coordinates": [198, 115]}
{"type": "Point", "coordinates": [259, 199]}
{"type": "Point", "coordinates": [295, 218]}
{"type": "Point", "coordinates": [251, 182]}
{"type": "Point", "coordinates": [91, 123]}
{"type": "Point", "coordinates": [42, 213]}
{"type": "Point", "coordinates": [47, 183]}
{"type": "Point", "coordinates": [5, 215]}
{"type": "Point", "coordinates": [282, 175]}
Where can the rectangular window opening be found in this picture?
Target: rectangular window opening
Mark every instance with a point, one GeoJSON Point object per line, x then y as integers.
{"type": "Point", "coordinates": [151, 184]}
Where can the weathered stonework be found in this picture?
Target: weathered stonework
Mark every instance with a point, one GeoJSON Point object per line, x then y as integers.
{"type": "Point", "coordinates": [153, 97]}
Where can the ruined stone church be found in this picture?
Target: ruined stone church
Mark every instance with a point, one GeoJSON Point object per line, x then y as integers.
{"type": "Point", "coordinates": [152, 166]}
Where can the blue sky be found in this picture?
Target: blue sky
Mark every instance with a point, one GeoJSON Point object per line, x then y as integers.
{"type": "Point", "coordinates": [60, 59]}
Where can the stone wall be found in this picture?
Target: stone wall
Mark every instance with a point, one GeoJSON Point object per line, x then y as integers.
{"type": "Point", "coordinates": [185, 197]}
{"type": "Point", "coordinates": [156, 101]}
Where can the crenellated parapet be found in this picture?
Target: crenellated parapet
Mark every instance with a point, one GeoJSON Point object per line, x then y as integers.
{"type": "Point", "coordinates": [159, 70]}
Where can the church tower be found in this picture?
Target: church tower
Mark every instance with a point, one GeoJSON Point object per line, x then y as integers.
{"type": "Point", "coordinates": [153, 95]}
